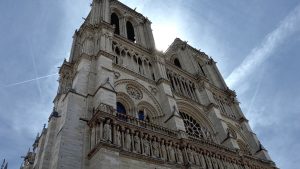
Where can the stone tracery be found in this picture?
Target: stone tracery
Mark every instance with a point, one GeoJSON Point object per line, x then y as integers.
{"type": "Point", "coordinates": [194, 129]}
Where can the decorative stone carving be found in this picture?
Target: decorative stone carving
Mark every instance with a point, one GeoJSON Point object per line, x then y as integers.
{"type": "Point", "coordinates": [137, 143]}
{"type": "Point", "coordinates": [214, 162]}
{"type": "Point", "coordinates": [127, 140]}
{"type": "Point", "coordinates": [134, 92]}
{"type": "Point", "coordinates": [107, 131]}
{"type": "Point", "coordinates": [202, 160]}
{"type": "Point", "coordinates": [179, 157]}
{"type": "Point", "coordinates": [163, 150]}
{"type": "Point", "coordinates": [155, 148]}
{"type": "Point", "coordinates": [153, 90]}
{"type": "Point", "coordinates": [220, 164]}
{"type": "Point", "coordinates": [117, 75]}
{"type": "Point", "coordinates": [118, 136]}
{"type": "Point", "coordinates": [196, 157]}
{"type": "Point", "coordinates": [190, 155]}
{"type": "Point", "coordinates": [171, 152]}
{"type": "Point", "coordinates": [208, 161]}
{"type": "Point", "coordinates": [146, 145]}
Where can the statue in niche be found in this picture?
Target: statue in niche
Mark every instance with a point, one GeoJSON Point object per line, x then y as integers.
{"type": "Point", "coordinates": [208, 161]}
{"type": "Point", "coordinates": [196, 157]}
{"type": "Point", "coordinates": [219, 161]}
{"type": "Point", "coordinates": [163, 150]}
{"type": "Point", "coordinates": [202, 160]}
{"type": "Point", "coordinates": [127, 140]}
{"type": "Point", "coordinates": [179, 157]}
{"type": "Point", "coordinates": [118, 136]}
{"type": "Point", "coordinates": [155, 148]}
{"type": "Point", "coordinates": [107, 131]}
{"type": "Point", "coordinates": [171, 152]}
{"type": "Point", "coordinates": [146, 145]}
{"type": "Point", "coordinates": [214, 162]}
{"type": "Point", "coordinates": [190, 155]}
{"type": "Point", "coordinates": [137, 142]}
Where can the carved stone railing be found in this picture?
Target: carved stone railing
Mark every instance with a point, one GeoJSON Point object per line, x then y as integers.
{"type": "Point", "coordinates": [151, 142]}
{"type": "Point", "coordinates": [182, 85]}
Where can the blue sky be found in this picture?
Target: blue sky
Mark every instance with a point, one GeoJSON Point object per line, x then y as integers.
{"type": "Point", "coordinates": [256, 45]}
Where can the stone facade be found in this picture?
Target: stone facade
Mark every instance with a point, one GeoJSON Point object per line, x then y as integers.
{"type": "Point", "coordinates": [123, 104]}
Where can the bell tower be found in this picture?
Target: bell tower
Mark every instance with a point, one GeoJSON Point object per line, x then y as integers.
{"type": "Point", "coordinates": [123, 104]}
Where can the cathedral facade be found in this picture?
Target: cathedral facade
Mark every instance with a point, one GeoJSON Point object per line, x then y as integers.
{"type": "Point", "coordinates": [121, 104]}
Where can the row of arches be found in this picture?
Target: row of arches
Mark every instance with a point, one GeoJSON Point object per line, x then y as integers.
{"type": "Point", "coordinates": [225, 107]}
{"type": "Point", "coordinates": [182, 86]}
{"type": "Point", "coordinates": [130, 32]}
{"type": "Point", "coordinates": [133, 61]}
{"type": "Point", "coordinates": [142, 114]}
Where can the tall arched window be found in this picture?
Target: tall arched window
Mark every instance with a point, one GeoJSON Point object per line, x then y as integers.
{"type": "Point", "coordinates": [177, 63]}
{"type": "Point", "coordinates": [141, 115]}
{"type": "Point", "coordinates": [130, 31]}
{"type": "Point", "coordinates": [121, 108]}
{"type": "Point", "coordinates": [114, 20]}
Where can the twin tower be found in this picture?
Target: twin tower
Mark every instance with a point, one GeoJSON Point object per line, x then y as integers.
{"type": "Point", "coordinates": [121, 104]}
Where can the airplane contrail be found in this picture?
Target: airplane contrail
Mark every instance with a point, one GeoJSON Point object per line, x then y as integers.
{"type": "Point", "coordinates": [261, 53]}
{"type": "Point", "coordinates": [27, 81]}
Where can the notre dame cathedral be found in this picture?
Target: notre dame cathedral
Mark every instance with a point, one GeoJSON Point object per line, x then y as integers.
{"type": "Point", "coordinates": [121, 104]}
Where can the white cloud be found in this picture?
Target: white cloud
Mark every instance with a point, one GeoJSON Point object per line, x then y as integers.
{"type": "Point", "coordinates": [261, 53]}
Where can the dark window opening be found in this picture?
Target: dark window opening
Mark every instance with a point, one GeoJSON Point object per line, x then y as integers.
{"type": "Point", "coordinates": [130, 31]}
{"type": "Point", "coordinates": [121, 111]}
{"type": "Point", "coordinates": [147, 119]}
{"type": "Point", "coordinates": [141, 115]}
{"type": "Point", "coordinates": [114, 20]}
{"type": "Point", "coordinates": [177, 63]}
{"type": "Point", "coordinates": [117, 51]}
{"type": "Point", "coordinates": [201, 69]}
{"type": "Point", "coordinates": [121, 108]}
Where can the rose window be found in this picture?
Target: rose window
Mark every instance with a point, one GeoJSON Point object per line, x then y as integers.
{"type": "Point", "coordinates": [193, 128]}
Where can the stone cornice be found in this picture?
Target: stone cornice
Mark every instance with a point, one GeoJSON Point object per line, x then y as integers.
{"type": "Point", "coordinates": [134, 74]}
{"type": "Point", "coordinates": [124, 41]}
{"type": "Point", "coordinates": [181, 72]}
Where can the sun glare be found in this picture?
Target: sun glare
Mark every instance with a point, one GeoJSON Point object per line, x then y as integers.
{"type": "Point", "coordinates": [164, 35]}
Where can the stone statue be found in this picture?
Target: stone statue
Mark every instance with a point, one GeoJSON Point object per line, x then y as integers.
{"type": "Point", "coordinates": [107, 131]}
{"type": "Point", "coordinates": [208, 161]}
{"type": "Point", "coordinates": [219, 161]}
{"type": "Point", "coordinates": [202, 160]}
{"type": "Point", "coordinates": [146, 145]}
{"type": "Point", "coordinates": [155, 148]}
{"type": "Point", "coordinates": [179, 157]}
{"type": "Point", "coordinates": [118, 137]}
{"type": "Point", "coordinates": [137, 143]}
{"type": "Point", "coordinates": [164, 155]}
{"type": "Point", "coordinates": [190, 155]}
{"type": "Point", "coordinates": [214, 162]}
{"type": "Point", "coordinates": [127, 140]}
{"type": "Point", "coordinates": [171, 152]}
{"type": "Point", "coordinates": [196, 157]}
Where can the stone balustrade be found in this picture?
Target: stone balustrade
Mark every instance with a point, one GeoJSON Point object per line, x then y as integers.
{"type": "Point", "coordinates": [152, 142]}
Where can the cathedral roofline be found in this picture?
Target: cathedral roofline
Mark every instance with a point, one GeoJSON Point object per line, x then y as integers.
{"type": "Point", "coordinates": [178, 43]}
{"type": "Point", "coordinates": [133, 11]}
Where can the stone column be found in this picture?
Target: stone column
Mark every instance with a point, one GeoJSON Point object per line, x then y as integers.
{"type": "Point", "coordinates": [172, 118]}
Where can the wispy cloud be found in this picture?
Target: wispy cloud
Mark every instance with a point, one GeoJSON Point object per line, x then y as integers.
{"type": "Point", "coordinates": [27, 81]}
{"type": "Point", "coordinates": [258, 55]}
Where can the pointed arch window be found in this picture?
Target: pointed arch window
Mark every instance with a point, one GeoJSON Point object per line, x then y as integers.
{"type": "Point", "coordinates": [141, 115]}
{"type": "Point", "coordinates": [121, 108]}
{"type": "Point", "coordinates": [177, 63]}
{"type": "Point", "coordinates": [130, 31]}
{"type": "Point", "coordinates": [114, 20]}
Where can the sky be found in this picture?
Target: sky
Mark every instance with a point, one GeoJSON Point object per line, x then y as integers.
{"type": "Point", "coordinates": [255, 44]}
